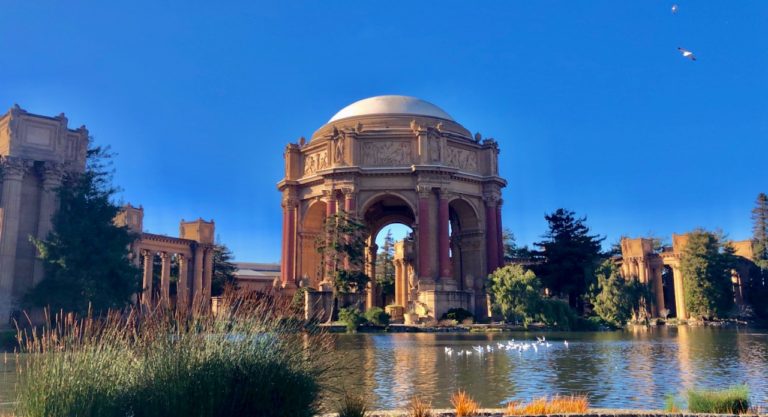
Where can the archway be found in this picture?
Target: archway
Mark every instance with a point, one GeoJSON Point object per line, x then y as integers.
{"type": "Point", "coordinates": [308, 257]}
{"type": "Point", "coordinates": [384, 213]}
{"type": "Point", "coordinates": [668, 285]}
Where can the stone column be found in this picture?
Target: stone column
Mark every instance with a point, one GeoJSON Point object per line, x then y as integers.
{"type": "Point", "coordinates": [289, 243]}
{"type": "Point", "coordinates": [425, 247]}
{"type": "Point", "coordinates": [51, 175]}
{"type": "Point", "coordinates": [399, 284]}
{"type": "Point", "coordinates": [208, 275]}
{"type": "Point", "coordinates": [443, 255]}
{"type": "Point", "coordinates": [165, 278]}
{"type": "Point", "coordinates": [658, 288]}
{"type": "Point", "coordinates": [197, 288]}
{"type": "Point", "coordinates": [682, 313]}
{"type": "Point", "coordinates": [182, 286]}
{"type": "Point", "coordinates": [499, 233]}
{"type": "Point", "coordinates": [349, 202]}
{"type": "Point", "coordinates": [330, 205]}
{"type": "Point", "coordinates": [373, 291]}
{"type": "Point", "coordinates": [147, 290]}
{"type": "Point", "coordinates": [13, 170]}
{"type": "Point", "coordinates": [491, 235]}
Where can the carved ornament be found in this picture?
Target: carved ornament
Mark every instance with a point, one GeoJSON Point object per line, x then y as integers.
{"type": "Point", "coordinates": [389, 153]}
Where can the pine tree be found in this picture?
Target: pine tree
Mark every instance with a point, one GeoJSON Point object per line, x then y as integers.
{"type": "Point", "coordinates": [385, 268]}
{"type": "Point", "coordinates": [570, 254]}
{"type": "Point", "coordinates": [223, 270]}
{"type": "Point", "coordinates": [706, 266]}
{"type": "Point", "coordinates": [86, 255]}
{"type": "Point", "coordinates": [760, 231]}
{"type": "Point", "coordinates": [342, 255]}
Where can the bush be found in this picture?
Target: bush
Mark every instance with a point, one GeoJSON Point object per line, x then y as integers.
{"type": "Point", "coordinates": [352, 406]}
{"type": "Point", "coordinates": [7, 340]}
{"type": "Point", "coordinates": [733, 400]}
{"type": "Point", "coordinates": [352, 318]}
{"type": "Point", "coordinates": [377, 316]}
{"type": "Point", "coordinates": [574, 404]}
{"type": "Point", "coordinates": [245, 361]}
{"type": "Point", "coordinates": [458, 314]}
{"type": "Point", "coordinates": [558, 314]}
{"type": "Point", "coordinates": [418, 407]}
{"type": "Point", "coordinates": [464, 405]}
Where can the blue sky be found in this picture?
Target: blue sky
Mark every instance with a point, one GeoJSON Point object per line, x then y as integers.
{"type": "Point", "coordinates": [592, 105]}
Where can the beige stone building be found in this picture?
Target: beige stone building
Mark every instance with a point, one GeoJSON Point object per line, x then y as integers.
{"type": "Point", "coordinates": [35, 152]}
{"type": "Point", "coordinates": [192, 253]}
{"type": "Point", "coordinates": [660, 269]}
{"type": "Point", "coordinates": [397, 159]}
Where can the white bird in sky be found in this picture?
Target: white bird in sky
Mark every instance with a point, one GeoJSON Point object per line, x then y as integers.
{"type": "Point", "coordinates": [674, 9]}
{"type": "Point", "coordinates": [687, 54]}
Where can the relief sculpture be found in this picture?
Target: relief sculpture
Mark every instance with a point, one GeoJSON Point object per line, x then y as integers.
{"type": "Point", "coordinates": [315, 162]}
{"type": "Point", "coordinates": [461, 159]}
{"type": "Point", "coordinates": [386, 153]}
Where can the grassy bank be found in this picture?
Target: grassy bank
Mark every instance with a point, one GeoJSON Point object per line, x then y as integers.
{"type": "Point", "coordinates": [254, 358]}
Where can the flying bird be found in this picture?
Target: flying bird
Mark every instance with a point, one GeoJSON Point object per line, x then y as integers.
{"type": "Point", "coordinates": [687, 54]}
{"type": "Point", "coordinates": [674, 9]}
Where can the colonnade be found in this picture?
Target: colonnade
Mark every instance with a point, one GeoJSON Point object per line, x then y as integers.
{"type": "Point", "coordinates": [195, 266]}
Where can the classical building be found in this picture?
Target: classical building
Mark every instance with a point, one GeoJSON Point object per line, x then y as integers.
{"type": "Point", "coordinates": [396, 159]}
{"type": "Point", "coordinates": [35, 152]}
{"type": "Point", "coordinates": [256, 277]}
{"type": "Point", "coordinates": [660, 269]}
{"type": "Point", "coordinates": [191, 252]}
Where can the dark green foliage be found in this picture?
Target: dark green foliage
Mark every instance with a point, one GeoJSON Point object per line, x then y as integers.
{"type": "Point", "coordinates": [760, 231]}
{"type": "Point", "coordinates": [706, 266]}
{"type": "Point", "coordinates": [297, 302]}
{"type": "Point", "coordinates": [385, 269]}
{"type": "Point", "coordinates": [733, 400]}
{"type": "Point", "coordinates": [86, 255]}
{"type": "Point", "coordinates": [377, 316]}
{"type": "Point", "coordinates": [570, 254]}
{"type": "Point", "coordinates": [558, 314]}
{"type": "Point", "coordinates": [616, 298]}
{"type": "Point", "coordinates": [7, 340]}
{"type": "Point", "coordinates": [516, 293]}
{"type": "Point", "coordinates": [458, 314]}
{"type": "Point", "coordinates": [223, 270]}
{"type": "Point", "coordinates": [352, 318]}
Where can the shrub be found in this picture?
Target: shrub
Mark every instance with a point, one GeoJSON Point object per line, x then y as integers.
{"type": "Point", "coordinates": [419, 408]}
{"type": "Point", "coordinates": [377, 316]}
{"type": "Point", "coordinates": [464, 404]}
{"type": "Point", "coordinates": [543, 406]}
{"type": "Point", "coordinates": [352, 406]}
{"type": "Point", "coordinates": [458, 314]}
{"type": "Point", "coordinates": [7, 340]}
{"type": "Point", "coordinates": [352, 318]}
{"type": "Point", "coordinates": [733, 400]}
{"type": "Point", "coordinates": [247, 360]}
{"type": "Point", "coordinates": [558, 314]}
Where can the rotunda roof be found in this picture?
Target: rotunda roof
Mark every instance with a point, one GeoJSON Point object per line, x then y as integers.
{"type": "Point", "coordinates": [391, 105]}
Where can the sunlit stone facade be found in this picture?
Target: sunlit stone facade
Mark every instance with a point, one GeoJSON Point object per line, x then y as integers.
{"type": "Point", "coordinates": [396, 159]}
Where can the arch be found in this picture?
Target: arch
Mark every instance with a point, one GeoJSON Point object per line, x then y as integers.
{"type": "Point", "coordinates": [375, 198]}
{"type": "Point", "coordinates": [668, 289]}
{"type": "Point", "coordinates": [308, 258]}
{"type": "Point", "coordinates": [466, 213]}
{"type": "Point", "coordinates": [466, 245]}
{"type": "Point", "coordinates": [387, 208]}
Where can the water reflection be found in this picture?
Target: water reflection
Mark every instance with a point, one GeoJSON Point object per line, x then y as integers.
{"type": "Point", "coordinates": [630, 369]}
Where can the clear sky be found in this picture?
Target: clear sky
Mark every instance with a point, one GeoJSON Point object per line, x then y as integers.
{"type": "Point", "coordinates": [593, 107]}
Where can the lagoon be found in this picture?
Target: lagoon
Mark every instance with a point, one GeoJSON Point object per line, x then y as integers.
{"type": "Point", "coordinates": [623, 369]}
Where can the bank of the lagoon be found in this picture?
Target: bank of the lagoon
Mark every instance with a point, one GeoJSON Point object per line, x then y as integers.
{"type": "Point", "coordinates": [630, 369]}
{"type": "Point", "coordinates": [499, 412]}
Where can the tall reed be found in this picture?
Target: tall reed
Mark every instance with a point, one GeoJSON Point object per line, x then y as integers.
{"type": "Point", "coordinates": [545, 406]}
{"type": "Point", "coordinates": [254, 358]}
{"type": "Point", "coordinates": [732, 400]}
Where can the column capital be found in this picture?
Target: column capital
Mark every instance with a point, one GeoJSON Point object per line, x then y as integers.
{"type": "Point", "coordinates": [52, 173]}
{"type": "Point", "coordinates": [424, 191]}
{"type": "Point", "coordinates": [290, 202]}
{"type": "Point", "coordinates": [146, 253]}
{"type": "Point", "coordinates": [14, 168]}
{"type": "Point", "coordinates": [164, 255]}
{"type": "Point", "coordinates": [446, 194]}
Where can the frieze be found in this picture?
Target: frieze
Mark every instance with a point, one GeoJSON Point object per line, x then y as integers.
{"type": "Point", "coordinates": [316, 161]}
{"type": "Point", "coordinates": [460, 158]}
{"type": "Point", "coordinates": [393, 153]}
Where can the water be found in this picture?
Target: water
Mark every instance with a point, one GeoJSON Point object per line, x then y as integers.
{"type": "Point", "coordinates": [626, 369]}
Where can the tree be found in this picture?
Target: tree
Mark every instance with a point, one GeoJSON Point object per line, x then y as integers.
{"type": "Point", "coordinates": [616, 299]}
{"type": "Point", "coordinates": [510, 246]}
{"type": "Point", "coordinates": [86, 255]}
{"type": "Point", "coordinates": [760, 231]}
{"type": "Point", "coordinates": [223, 270]}
{"type": "Point", "coordinates": [385, 268]}
{"type": "Point", "coordinates": [342, 255]}
{"type": "Point", "coordinates": [570, 254]}
{"type": "Point", "coordinates": [706, 266]}
{"type": "Point", "coordinates": [516, 293]}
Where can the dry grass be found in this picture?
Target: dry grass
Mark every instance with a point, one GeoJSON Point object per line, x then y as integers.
{"type": "Point", "coordinates": [418, 407]}
{"type": "Point", "coordinates": [464, 404]}
{"type": "Point", "coordinates": [352, 406]}
{"type": "Point", "coordinates": [544, 406]}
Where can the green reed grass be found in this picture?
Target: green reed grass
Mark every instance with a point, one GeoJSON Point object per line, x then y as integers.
{"type": "Point", "coordinates": [733, 400]}
{"type": "Point", "coordinates": [252, 359]}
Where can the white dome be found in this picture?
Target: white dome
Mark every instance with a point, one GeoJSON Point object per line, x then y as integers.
{"type": "Point", "coordinates": [391, 105]}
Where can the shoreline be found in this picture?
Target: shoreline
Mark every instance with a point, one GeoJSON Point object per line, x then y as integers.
{"type": "Point", "coordinates": [597, 412]}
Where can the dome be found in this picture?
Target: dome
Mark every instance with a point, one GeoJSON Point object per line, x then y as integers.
{"type": "Point", "coordinates": [391, 105]}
